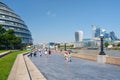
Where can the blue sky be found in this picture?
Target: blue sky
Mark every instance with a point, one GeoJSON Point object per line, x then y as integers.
{"type": "Point", "coordinates": [57, 20]}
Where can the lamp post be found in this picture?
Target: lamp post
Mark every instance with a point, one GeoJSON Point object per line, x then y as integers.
{"type": "Point", "coordinates": [65, 47]}
{"type": "Point", "coordinates": [102, 47]}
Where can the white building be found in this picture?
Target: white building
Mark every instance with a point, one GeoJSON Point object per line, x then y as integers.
{"type": "Point", "coordinates": [79, 36]}
{"type": "Point", "coordinates": [78, 39]}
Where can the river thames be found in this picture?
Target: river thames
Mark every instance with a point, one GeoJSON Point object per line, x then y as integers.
{"type": "Point", "coordinates": [112, 53]}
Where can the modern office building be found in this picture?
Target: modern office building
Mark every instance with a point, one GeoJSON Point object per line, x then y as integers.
{"type": "Point", "coordinates": [113, 36]}
{"type": "Point", "coordinates": [10, 20]}
{"type": "Point", "coordinates": [97, 33]}
{"type": "Point", "coordinates": [79, 36]}
{"type": "Point", "coordinates": [78, 39]}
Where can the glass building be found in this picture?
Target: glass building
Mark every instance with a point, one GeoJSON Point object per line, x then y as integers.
{"type": "Point", "coordinates": [113, 36]}
{"type": "Point", "coordinates": [10, 20]}
{"type": "Point", "coordinates": [97, 33]}
{"type": "Point", "coordinates": [79, 36]}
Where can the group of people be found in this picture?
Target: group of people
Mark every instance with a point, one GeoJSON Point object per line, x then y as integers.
{"type": "Point", "coordinates": [67, 56]}
{"type": "Point", "coordinates": [40, 52]}
{"type": "Point", "coordinates": [46, 52]}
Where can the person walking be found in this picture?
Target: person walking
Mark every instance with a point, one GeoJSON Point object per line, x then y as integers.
{"type": "Point", "coordinates": [49, 52]}
{"type": "Point", "coordinates": [34, 53]}
{"type": "Point", "coordinates": [46, 52]}
{"type": "Point", "coordinates": [66, 56]}
{"type": "Point", "coordinates": [40, 52]}
{"type": "Point", "coordinates": [69, 56]}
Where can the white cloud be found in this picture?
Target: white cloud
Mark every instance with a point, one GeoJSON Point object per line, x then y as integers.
{"type": "Point", "coordinates": [49, 13]}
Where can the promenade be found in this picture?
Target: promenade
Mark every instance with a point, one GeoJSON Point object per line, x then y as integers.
{"type": "Point", "coordinates": [54, 67]}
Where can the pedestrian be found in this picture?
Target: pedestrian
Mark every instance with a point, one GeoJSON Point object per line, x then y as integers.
{"type": "Point", "coordinates": [30, 54]}
{"type": "Point", "coordinates": [46, 52]}
{"type": "Point", "coordinates": [69, 56]}
{"type": "Point", "coordinates": [40, 52]}
{"type": "Point", "coordinates": [49, 52]}
{"type": "Point", "coordinates": [66, 55]}
{"type": "Point", "coordinates": [34, 53]}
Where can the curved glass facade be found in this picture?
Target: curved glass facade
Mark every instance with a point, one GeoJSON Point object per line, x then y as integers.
{"type": "Point", "coordinates": [10, 20]}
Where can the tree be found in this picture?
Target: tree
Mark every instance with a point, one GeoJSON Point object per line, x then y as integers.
{"type": "Point", "coordinates": [8, 40]}
{"type": "Point", "coordinates": [2, 30]}
{"type": "Point", "coordinates": [118, 44]}
{"type": "Point", "coordinates": [17, 42]}
{"type": "Point", "coordinates": [106, 44]}
{"type": "Point", "coordinates": [71, 46]}
{"type": "Point", "coordinates": [10, 37]}
{"type": "Point", "coordinates": [58, 46]}
{"type": "Point", "coordinates": [2, 38]}
{"type": "Point", "coordinates": [12, 41]}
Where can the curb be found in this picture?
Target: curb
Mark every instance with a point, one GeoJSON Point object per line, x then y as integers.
{"type": "Point", "coordinates": [4, 53]}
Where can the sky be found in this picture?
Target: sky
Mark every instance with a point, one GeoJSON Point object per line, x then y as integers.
{"type": "Point", "coordinates": [58, 20]}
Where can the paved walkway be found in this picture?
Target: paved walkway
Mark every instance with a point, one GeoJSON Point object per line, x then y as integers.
{"type": "Point", "coordinates": [56, 68]}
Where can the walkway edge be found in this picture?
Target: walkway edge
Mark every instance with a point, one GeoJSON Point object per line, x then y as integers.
{"type": "Point", "coordinates": [19, 70]}
{"type": "Point", "coordinates": [24, 69]}
{"type": "Point", "coordinates": [4, 53]}
{"type": "Point", "coordinates": [34, 72]}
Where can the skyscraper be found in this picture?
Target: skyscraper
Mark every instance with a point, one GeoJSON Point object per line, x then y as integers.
{"type": "Point", "coordinates": [113, 36]}
{"type": "Point", "coordinates": [79, 36]}
{"type": "Point", "coordinates": [97, 33]}
{"type": "Point", "coordinates": [10, 20]}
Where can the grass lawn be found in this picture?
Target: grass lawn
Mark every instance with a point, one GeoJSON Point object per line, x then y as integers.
{"type": "Point", "coordinates": [1, 51]}
{"type": "Point", "coordinates": [6, 64]}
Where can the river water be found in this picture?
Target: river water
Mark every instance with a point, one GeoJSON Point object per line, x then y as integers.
{"type": "Point", "coordinates": [113, 53]}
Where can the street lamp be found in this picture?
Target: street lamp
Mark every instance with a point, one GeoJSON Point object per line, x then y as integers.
{"type": "Point", "coordinates": [65, 47]}
{"type": "Point", "coordinates": [102, 51]}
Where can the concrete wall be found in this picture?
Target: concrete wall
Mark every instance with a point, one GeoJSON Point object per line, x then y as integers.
{"type": "Point", "coordinates": [113, 60]}
{"type": "Point", "coordinates": [109, 60]}
{"type": "Point", "coordinates": [85, 56]}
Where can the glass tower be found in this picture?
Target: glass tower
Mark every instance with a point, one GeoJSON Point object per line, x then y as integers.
{"type": "Point", "coordinates": [79, 36]}
{"type": "Point", "coordinates": [113, 37]}
{"type": "Point", "coordinates": [97, 33]}
{"type": "Point", "coordinates": [10, 20]}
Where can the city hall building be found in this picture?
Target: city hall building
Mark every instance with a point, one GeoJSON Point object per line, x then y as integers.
{"type": "Point", "coordinates": [10, 20]}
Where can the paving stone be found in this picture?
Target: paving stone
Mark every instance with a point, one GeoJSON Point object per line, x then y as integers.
{"type": "Point", "coordinates": [54, 67]}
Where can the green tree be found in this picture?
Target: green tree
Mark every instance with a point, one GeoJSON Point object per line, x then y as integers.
{"type": "Point", "coordinates": [58, 46]}
{"type": "Point", "coordinates": [2, 38]}
{"type": "Point", "coordinates": [11, 40]}
{"type": "Point", "coordinates": [118, 44]}
{"type": "Point", "coordinates": [106, 44]}
{"type": "Point", "coordinates": [8, 40]}
{"type": "Point", "coordinates": [71, 46]}
{"type": "Point", "coordinates": [17, 42]}
{"type": "Point", "coordinates": [2, 30]}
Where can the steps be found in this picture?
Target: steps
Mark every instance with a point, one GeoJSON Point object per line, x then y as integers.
{"type": "Point", "coordinates": [24, 69]}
